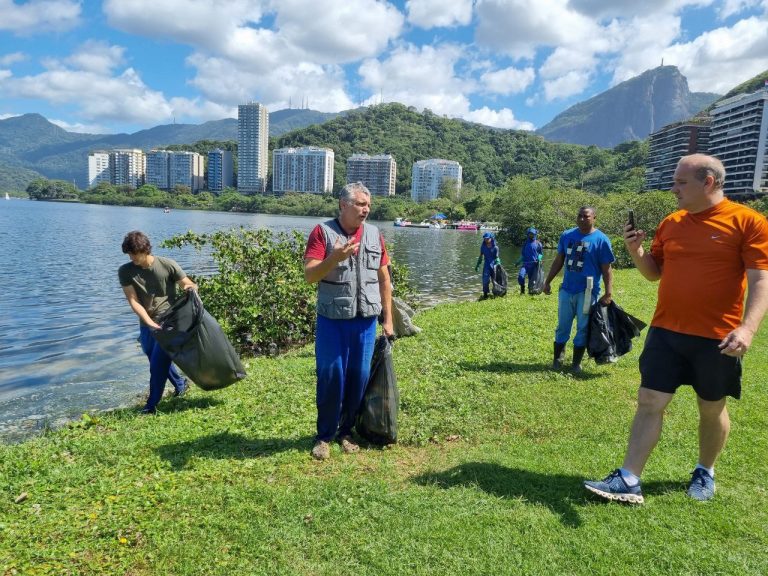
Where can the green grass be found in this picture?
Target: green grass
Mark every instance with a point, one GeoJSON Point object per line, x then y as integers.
{"type": "Point", "coordinates": [486, 479]}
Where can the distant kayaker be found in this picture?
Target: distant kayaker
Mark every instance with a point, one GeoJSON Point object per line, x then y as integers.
{"type": "Point", "coordinates": [489, 252]}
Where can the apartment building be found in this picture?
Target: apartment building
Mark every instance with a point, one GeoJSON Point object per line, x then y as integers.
{"type": "Point", "coordinates": [127, 167]}
{"type": "Point", "coordinates": [429, 176]}
{"type": "Point", "coordinates": [378, 173]}
{"type": "Point", "coordinates": [307, 169]}
{"type": "Point", "coordinates": [252, 148]}
{"type": "Point", "coordinates": [220, 170]}
{"type": "Point", "coordinates": [158, 174]}
{"type": "Point", "coordinates": [668, 145]}
{"type": "Point", "coordinates": [98, 168]}
{"type": "Point", "coordinates": [186, 169]}
{"type": "Point", "coordinates": [738, 138]}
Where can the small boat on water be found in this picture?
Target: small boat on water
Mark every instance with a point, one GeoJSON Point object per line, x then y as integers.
{"type": "Point", "coordinates": [166, 210]}
{"type": "Point", "coordinates": [467, 225]}
{"type": "Point", "coordinates": [422, 224]}
{"type": "Point", "coordinates": [402, 222]}
{"type": "Point", "coordinates": [7, 197]}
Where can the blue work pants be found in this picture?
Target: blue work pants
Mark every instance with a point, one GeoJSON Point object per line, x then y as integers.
{"type": "Point", "coordinates": [343, 352]}
{"type": "Point", "coordinates": [570, 306]}
{"type": "Point", "coordinates": [161, 367]}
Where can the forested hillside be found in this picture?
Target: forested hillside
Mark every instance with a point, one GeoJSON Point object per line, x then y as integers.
{"type": "Point", "coordinates": [489, 157]}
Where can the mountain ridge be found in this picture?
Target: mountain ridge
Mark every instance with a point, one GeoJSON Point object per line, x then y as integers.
{"type": "Point", "coordinates": [629, 111]}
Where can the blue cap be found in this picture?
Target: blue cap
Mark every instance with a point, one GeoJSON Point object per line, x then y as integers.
{"type": "Point", "coordinates": [487, 235]}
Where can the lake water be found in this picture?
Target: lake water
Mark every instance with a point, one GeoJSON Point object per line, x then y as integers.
{"type": "Point", "coordinates": [67, 336]}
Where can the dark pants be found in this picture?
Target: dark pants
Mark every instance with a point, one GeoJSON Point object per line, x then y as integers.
{"type": "Point", "coordinates": [343, 352]}
{"type": "Point", "coordinates": [161, 367]}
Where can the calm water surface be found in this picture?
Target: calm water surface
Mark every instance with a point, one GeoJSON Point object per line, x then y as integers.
{"type": "Point", "coordinates": [67, 336]}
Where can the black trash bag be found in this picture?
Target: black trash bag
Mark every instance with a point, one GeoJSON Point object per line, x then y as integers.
{"type": "Point", "coordinates": [499, 280]}
{"type": "Point", "coordinates": [536, 280]}
{"type": "Point", "coordinates": [610, 332]}
{"type": "Point", "coordinates": [197, 344]}
{"type": "Point", "coordinates": [402, 315]}
{"type": "Point", "coordinates": [377, 418]}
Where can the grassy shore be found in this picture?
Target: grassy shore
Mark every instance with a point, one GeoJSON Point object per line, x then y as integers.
{"type": "Point", "coordinates": [486, 479]}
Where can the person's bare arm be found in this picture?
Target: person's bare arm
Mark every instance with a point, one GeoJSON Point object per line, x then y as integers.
{"type": "Point", "coordinates": [315, 270]}
{"type": "Point", "coordinates": [557, 265]}
{"type": "Point", "coordinates": [138, 309]}
{"type": "Point", "coordinates": [187, 284]}
{"type": "Point", "coordinates": [644, 262]}
{"type": "Point", "coordinates": [385, 290]}
{"type": "Point", "coordinates": [607, 270]}
{"type": "Point", "coordinates": [738, 341]}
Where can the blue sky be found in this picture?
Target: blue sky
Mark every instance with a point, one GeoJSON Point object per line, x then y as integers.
{"type": "Point", "coordinates": [125, 65]}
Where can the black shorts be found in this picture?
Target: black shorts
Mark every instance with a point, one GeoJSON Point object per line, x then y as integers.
{"type": "Point", "coordinates": [671, 359]}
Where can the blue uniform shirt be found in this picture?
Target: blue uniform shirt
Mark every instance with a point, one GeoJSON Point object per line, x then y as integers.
{"type": "Point", "coordinates": [585, 255]}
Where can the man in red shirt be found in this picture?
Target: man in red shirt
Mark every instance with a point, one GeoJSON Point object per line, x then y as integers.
{"type": "Point", "coordinates": [348, 259]}
{"type": "Point", "coordinates": [705, 255]}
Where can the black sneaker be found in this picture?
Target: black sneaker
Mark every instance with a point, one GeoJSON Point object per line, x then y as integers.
{"type": "Point", "coordinates": [147, 411]}
{"type": "Point", "coordinates": [181, 390]}
{"type": "Point", "coordinates": [613, 487]}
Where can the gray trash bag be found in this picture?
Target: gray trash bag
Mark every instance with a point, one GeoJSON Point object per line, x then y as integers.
{"type": "Point", "coordinates": [499, 280]}
{"type": "Point", "coordinates": [402, 315]}
{"type": "Point", "coordinates": [536, 280]}
{"type": "Point", "coordinates": [377, 418]}
{"type": "Point", "coordinates": [197, 344]}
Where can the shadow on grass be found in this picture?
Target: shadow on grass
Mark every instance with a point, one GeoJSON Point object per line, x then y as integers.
{"type": "Point", "coordinates": [226, 445]}
{"type": "Point", "coordinates": [182, 404]}
{"type": "Point", "coordinates": [558, 492]}
{"type": "Point", "coordinates": [518, 368]}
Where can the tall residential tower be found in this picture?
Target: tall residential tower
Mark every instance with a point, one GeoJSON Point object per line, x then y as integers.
{"type": "Point", "coordinates": [252, 148]}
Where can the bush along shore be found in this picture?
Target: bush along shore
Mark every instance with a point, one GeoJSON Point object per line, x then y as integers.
{"type": "Point", "coordinates": [486, 478]}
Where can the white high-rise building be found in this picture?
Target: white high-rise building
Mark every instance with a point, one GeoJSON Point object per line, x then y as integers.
{"type": "Point", "coordinates": [429, 176]}
{"type": "Point", "coordinates": [128, 167]}
{"type": "Point", "coordinates": [739, 138]}
{"type": "Point", "coordinates": [378, 173]}
{"type": "Point", "coordinates": [252, 148]}
{"type": "Point", "coordinates": [157, 169]}
{"type": "Point", "coordinates": [220, 170]}
{"type": "Point", "coordinates": [186, 169]}
{"type": "Point", "coordinates": [98, 168]}
{"type": "Point", "coordinates": [307, 169]}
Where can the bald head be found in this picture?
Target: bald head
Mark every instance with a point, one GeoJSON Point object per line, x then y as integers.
{"type": "Point", "coordinates": [703, 165]}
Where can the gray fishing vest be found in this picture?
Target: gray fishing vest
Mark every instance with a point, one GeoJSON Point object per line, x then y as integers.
{"type": "Point", "coordinates": [351, 289]}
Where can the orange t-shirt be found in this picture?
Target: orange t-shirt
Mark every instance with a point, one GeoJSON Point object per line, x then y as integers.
{"type": "Point", "coordinates": [703, 259]}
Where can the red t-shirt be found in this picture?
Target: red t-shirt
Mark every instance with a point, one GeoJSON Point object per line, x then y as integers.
{"type": "Point", "coordinates": [703, 258]}
{"type": "Point", "coordinates": [316, 245]}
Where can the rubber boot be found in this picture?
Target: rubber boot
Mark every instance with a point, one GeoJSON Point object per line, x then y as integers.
{"type": "Point", "coordinates": [578, 354]}
{"type": "Point", "coordinates": [557, 363]}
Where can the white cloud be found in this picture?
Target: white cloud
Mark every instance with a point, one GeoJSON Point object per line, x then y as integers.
{"type": "Point", "coordinates": [202, 23]}
{"type": "Point", "coordinates": [509, 80]}
{"type": "Point", "coordinates": [39, 15]}
{"type": "Point", "coordinates": [12, 58]}
{"type": "Point", "coordinates": [80, 127]}
{"type": "Point", "coordinates": [720, 59]}
{"type": "Point", "coordinates": [332, 32]}
{"type": "Point", "coordinates": [732, 7]}
{"type": "Point", "coordinates": [419, 76]}
{"type": "Point", "coordinates": [519, 27]}
{"type": "Point", "coordinates": [439, 13]}
{"type": "Point", "coordinates": [503, 118]}
{"type": "Point", "coordinates": [564, 60]}
{"type": "Point", "coordinates": [573, 82]}
{"type": "Point", "coordinates": [6, 116]}
{"type": "Point", "coordinates": [628, 8]}
{"type": "Point", "coordinates": [98, 57]}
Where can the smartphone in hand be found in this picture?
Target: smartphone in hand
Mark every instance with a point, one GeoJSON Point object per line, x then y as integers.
{"type": "Point", "coordinates": [631, 219]}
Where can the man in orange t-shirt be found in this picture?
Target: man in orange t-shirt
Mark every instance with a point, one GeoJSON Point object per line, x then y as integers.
{"type": "Point", "coordinates": [705, 255]}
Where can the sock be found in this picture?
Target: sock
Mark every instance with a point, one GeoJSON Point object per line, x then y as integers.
{"type": "Point", "coordinates": [629, 478]}
{"type": "Point", "coordinates": [710, 471]}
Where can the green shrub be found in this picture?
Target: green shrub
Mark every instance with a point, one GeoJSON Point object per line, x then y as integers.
{"type": "Point", "coordinates": [259, 295]}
